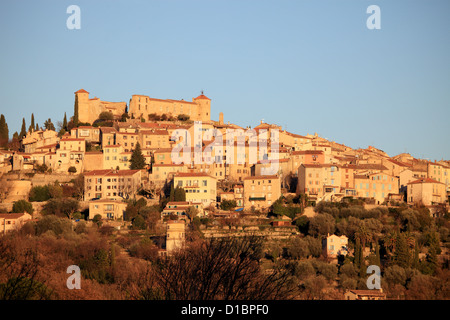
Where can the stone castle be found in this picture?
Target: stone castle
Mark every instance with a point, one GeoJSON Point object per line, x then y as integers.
{"type": "Point", "coordinates": [141, 106]}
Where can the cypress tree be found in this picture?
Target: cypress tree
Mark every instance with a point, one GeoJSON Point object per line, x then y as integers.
{"type": "Point", "coordinates": [31, 128]}
{"type": "Point", "coordinates": [137, 158]}
{"type": "Point", "coordinates": [432, 260]}
{"type": "Point", "coordinates": [65, 122]}
{"type": "Point", "coordinates": [179, 194]}
{"type": "Point", "coordinates": [402, 256]}
{"type": "Point", "coordinates": [37, 127]}
{"type": "Point", "coordinates": [377, 255]}
{"type": "Point", "coordinates": [4, 132]}
{"type": "Point", "coordinates": [172, 193]}
{"type": "Point", "coordinates": [23, 130]}
{"type": "Point", "coordinates": [416, 261]}
{"type": "Point", "coordinates": [75, 113]}
{"type": "Point", "coordinates": [357, 253]}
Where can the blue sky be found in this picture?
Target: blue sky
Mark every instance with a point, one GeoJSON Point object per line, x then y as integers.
{"type": "Point", "coordinates": [310, 66]}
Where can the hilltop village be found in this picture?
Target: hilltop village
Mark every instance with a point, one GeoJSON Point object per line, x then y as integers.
{"type": "Point", "coordinates": [325, 209]}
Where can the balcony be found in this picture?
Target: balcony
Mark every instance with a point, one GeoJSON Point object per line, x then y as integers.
{"type": "Point", "coordinates": [257, 198]}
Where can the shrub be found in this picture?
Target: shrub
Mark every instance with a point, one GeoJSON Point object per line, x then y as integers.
{"type": "Point", "coordinates": [22, 206]}
{"type": "Point", "coordinates": [54, 224]}
{"type": "Point", "coordinates": [39, 193]}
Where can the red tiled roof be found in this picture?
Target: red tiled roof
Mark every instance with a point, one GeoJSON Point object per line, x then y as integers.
{"type": "Point", "coordinates": [193, 174]}
{"type": "Point", "coordinates": [261, 177]}
{"type": "Point", "coordinates": [11, 215]}
{"type": "Point", "coordinates": [202, 96]}
{"type": "Point", "coordinates": [111, 172]}
{"type": "Point", "coordinates": [81, 91]}
{"type": "Point", "coordinates": [424, 180]}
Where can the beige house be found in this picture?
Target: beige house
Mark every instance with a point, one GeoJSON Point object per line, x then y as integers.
{"type": "Point", "coordinates": [261, 192]}
{"type": "Point", "coordinates": [107, 209]}
{"type": "Point", "coordinates": [199, 187]}
{"type": "Point", "coordinates": [163, 172]}
{"type": "Point", "coordinates": [107, 136]}
{"type": "Point", "coordinates": [439, 172]}
{"type": "Point", "coordinates": [365, 295]}
{"type": "Point", "coordinates": [333, 246]}
{"type": "Point", "coordinates": [39, 139]}
{"type": "Point", "coordinates": [115, 157]}
{"type": "Point", "coordinates": [111, 184]}
{"type": "Point", "coordinates": [13, 221]}
{"type": "Point", "coordinates": [179, 208]}
{"type": "Point", "coordinates": [377, 186]}
{"type": "Point", "coordinates": [175, 237]}
{"type": "Point", "coordinates": [88, 133]}
{"type": "Point", "coordinates": [426, 191]}
{"type": "Point", "coordinates": [319, 181]}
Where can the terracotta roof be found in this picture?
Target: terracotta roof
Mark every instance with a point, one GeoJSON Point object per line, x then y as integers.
{"type": "Point", "coordinates": [368, 292]}
{"type": "Point", "coordinates": [192, 174]}
{"type": "Point", "coordinates": [168, 165]}
{"type": "Point", "coordinates": [424, 180]}
{"type": "Point", "coordinates": [11, 215]}
{"type": "Point", "coordinates": [81, 91]}
{"type": "Point", "coordinates": [202, 96]}
{"type": "Point", "coordinates": [155, 132]}
{"type": "Point", "coordinates": [307, 152]}
{"type": "Point", "coordinates": [108, 129]}
{"type": "Point", "coordinates": [261, 177]}
{"type": "Point", "coordinates": [111, 172]}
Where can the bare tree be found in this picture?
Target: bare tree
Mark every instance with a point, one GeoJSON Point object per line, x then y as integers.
{"type": "Point", "coordinates": [225, 269]}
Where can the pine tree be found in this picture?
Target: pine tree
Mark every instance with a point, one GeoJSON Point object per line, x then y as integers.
{"type": "Point", "coordinates": [23, 130]}
{"type": "Point", "coordinates": [137, 159]}
{"type": "Point", "coordinates": [49, 125]}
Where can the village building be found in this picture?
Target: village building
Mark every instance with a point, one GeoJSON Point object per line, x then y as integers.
{"type": "Point", "coordinates": [111, 184]}
{"type": "Point", "coordinates": [365, 295]}
{"type": "Point", "coordinates": [333, 246]}
{"type": "Point", "coordinates": [261, 192]}
{"type": "Point", "coordinates": [12, 221]}
{"type": "Point", "coordinates": [175, 236]}
{"type": "Point", "coordinates": [199, 187]}
{"type": "Point", "coordinates": [107, 209]}
{"type": "Point", "coordinates": [426, 191]}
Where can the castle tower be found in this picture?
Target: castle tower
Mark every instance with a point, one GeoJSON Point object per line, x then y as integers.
{"type": "Point", "coordinates": [81, 105]}
{"type": "Point", "coordinates": [204, 108]}
{"type": "Point", "coordinates": [221, 118]}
